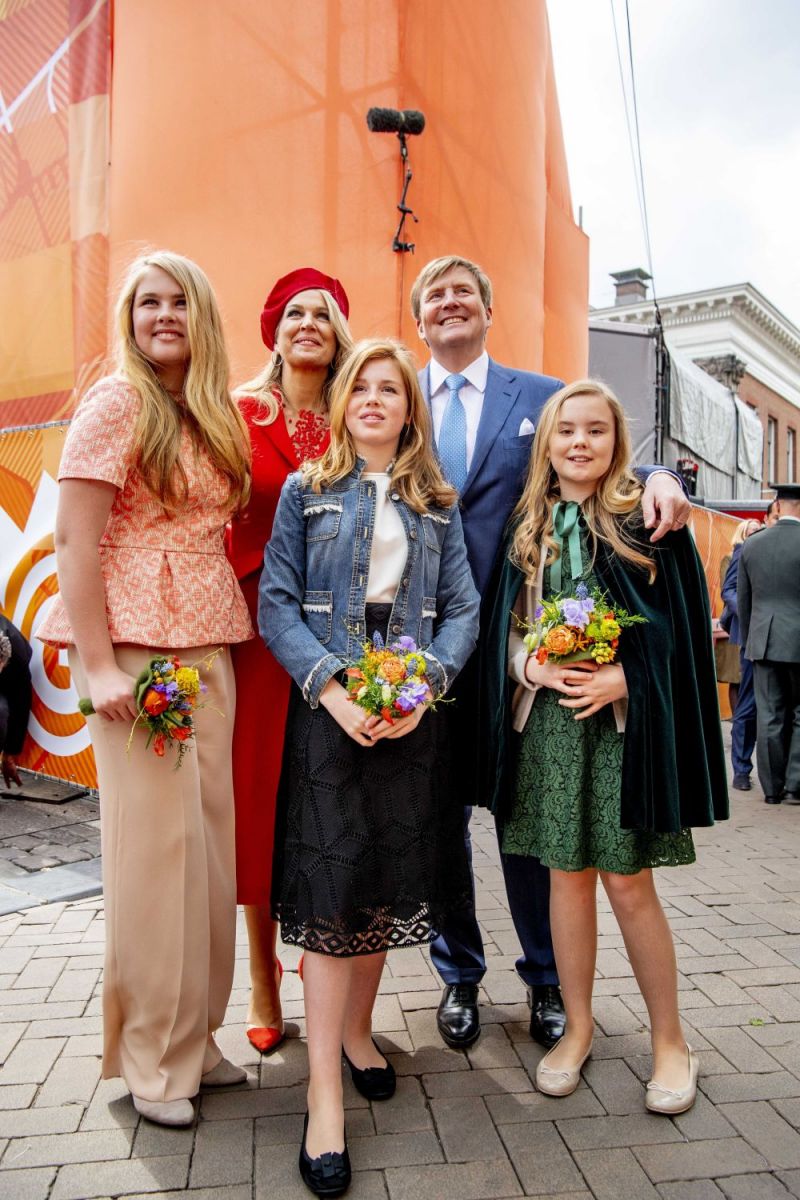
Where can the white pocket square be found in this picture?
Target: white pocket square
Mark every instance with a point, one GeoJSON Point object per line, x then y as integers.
{"type": "Point", "coordinates": [526, 427]}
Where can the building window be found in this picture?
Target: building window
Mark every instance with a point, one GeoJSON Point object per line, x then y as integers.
{"type": "Point", "coordinates": [772, 450]}
{"type": "Point", "coordinates": [791, 455]}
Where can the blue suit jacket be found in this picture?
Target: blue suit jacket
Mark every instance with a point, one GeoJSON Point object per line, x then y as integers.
{"type": "Point", "coordinates": [730, 594]}
{"type": "Point", "coordinates": [497, 471]}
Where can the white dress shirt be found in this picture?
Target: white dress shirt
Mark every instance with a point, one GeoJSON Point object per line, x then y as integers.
{"type": "Point", "coordinates": [471, 396]}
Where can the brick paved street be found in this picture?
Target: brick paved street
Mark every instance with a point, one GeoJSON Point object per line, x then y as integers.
{"type": "Point", "coordinates": [47, 851]}
{"type": "Point", "coordinates": [462, 1126]}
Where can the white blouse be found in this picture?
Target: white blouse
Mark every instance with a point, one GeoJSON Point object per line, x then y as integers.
{"type": "Point", "coordinates": [389, 544]}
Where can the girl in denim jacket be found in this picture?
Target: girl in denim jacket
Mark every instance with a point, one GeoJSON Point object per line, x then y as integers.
{"type": "Point", "coordinates": [369, 844]}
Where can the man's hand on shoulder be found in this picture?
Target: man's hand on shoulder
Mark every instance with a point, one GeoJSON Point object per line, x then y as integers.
{"type": "Point", "coordinates": [664, 505]}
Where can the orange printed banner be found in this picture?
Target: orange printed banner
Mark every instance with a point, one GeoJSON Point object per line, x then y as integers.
{"type": "Point", "coordinates": [58, 740]}
{"type": "Point", "coordinates": [54, 122]}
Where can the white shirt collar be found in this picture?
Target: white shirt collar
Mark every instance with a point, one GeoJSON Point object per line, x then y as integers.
{"type": "Point", "coordinates": [788, 518]}
{"type": "Point", "coordinates": [475, 374]}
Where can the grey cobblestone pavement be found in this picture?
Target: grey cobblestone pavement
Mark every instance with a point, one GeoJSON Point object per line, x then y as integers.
{"type": "Point", "coordinates": [47, 851]}
{"type": "Point", "coordinates": [463, 1126]}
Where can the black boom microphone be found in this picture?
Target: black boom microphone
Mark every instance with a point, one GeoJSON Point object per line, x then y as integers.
{"type": "Point", "coordinates": [393, 120]}
{"type": "Point", "coordinates": [402, 122]}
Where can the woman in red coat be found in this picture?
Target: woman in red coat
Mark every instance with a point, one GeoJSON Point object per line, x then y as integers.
{"type": "Point", "coordinates": [285, 408]}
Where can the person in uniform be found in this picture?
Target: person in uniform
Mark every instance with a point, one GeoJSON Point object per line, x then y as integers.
{"type": "Point", "coordinates": [769, 618]}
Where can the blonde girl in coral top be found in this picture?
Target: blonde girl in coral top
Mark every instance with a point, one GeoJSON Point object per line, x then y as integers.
{"type": "Point", "coordinates": [155, 463]}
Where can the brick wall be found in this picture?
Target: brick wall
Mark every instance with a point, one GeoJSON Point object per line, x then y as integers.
{"type": "Point", "coordinates": [769, 404]}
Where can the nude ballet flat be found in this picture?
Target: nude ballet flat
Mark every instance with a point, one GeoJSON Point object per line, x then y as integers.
{"type": "Point", "coordinates": [559, 1082]}
{"type": "Point", "coordinates": [659, 1099]}
{"type": "Point", "coordinates": [224, 1074]}
{"type": "Point", "coordinates": [165, 1112]}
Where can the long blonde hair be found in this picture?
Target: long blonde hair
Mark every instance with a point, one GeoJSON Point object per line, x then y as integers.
{"type": "Point", "coordinates": [416, 475]}
{"type": "Point", "coordinates": [265, 387]}
{"type": "Point", "coordinates": [609, 513]}
{"type": "Point", "coordinates": [214, 419]}
{"type": "Point", "coordinates": [743, 531]}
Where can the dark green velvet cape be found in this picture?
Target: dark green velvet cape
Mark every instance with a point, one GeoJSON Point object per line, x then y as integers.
{"type": "Point", "coordinates": [673, 768]}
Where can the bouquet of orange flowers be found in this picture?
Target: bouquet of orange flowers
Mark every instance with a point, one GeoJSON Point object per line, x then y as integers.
{"type": "Point", "coordinates": [577, 628]}
{"type": "Point", "coordinates": [389, 679]}
{"type": "Point", "coordinates": [167, 694]}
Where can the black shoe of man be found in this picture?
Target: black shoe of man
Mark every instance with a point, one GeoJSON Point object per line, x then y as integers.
{"type": "Point", "coordinates": [742, 783]}
{"type": "Point", "coordinates": [547, 1014]}
{"type": "Point", "coordinates": [457, 1018]}
{"type": "Point", "coordinates": [791, 797]}
{"type": "Point", "coordinates": [772, 799]}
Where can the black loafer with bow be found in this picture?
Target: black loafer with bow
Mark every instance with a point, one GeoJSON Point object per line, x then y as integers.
{"type": "Point", "coordinates": [327, 1175]}
{"type": "Point", "coordinates": [374, 1083]}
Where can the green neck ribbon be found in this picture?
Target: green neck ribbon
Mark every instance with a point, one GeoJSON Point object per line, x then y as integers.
{"type": "Point", "coordinates": [565, 525]}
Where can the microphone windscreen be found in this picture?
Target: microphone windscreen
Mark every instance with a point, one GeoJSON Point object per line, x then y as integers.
{"type": "Point", "coordinates": [384, 120]}
{"type": "Point", "coordinates": [413, 121]}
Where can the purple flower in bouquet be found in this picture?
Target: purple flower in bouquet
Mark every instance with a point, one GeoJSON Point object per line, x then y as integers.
{"type": "Point", "coordinates": [406, 644]}
{"type": "Point", "coordinates": [574, 613]}
{"type": "Point", "coordinates": [539, 613]}
{"type": "Point", "coordinates": [411, 695]}
{"type": "Point", "coordinates": [586, 601]}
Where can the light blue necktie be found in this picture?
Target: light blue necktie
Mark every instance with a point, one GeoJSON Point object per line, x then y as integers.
{"type": "Point", "coordinates": [453, 435]}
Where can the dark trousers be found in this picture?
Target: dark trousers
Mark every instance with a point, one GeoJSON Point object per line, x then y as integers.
{"type": "Point", "coordinates": [457, 952]}
{"type": "Point", "coordinates": [743, 729]}
{"type": "Point", "coordinates": [777, 690]}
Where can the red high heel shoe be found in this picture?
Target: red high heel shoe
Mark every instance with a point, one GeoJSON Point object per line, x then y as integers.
{"type": "Point", "coordinates": [264, 1038]}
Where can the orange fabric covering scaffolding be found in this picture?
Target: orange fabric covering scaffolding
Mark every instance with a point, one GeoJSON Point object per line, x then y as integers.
{"type": "Point", "coordinates": [260, 159]}
{"type": "Point", "coordinates": [236, 134]}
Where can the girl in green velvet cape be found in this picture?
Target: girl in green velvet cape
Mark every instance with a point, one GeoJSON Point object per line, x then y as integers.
{"type": "Point", "coordinates": [610, 765]}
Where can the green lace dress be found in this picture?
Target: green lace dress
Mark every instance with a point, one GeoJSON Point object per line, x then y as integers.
{"type": "Point", "coordinates": [566, 806]}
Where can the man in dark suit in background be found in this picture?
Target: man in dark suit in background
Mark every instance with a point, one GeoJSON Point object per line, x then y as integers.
{"type": "Point", "coordinates": [15, 697]}
{"type": "Point", "coordinates": [484, 417]}
{"type": "Point", "coordinates": [769, 616]}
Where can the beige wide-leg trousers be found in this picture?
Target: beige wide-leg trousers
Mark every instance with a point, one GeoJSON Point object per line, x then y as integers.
{"type": "Point", "coordinates": [169, 882]}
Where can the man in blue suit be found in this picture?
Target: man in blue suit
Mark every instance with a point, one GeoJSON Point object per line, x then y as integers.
{"type": "Point", "coordinates": [484, 417]}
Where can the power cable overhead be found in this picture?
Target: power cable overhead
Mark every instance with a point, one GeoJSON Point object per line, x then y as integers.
{"type": "Point", "coordinates": [634, 137]}
{"type": "Point", "coordinates": [635, 142]}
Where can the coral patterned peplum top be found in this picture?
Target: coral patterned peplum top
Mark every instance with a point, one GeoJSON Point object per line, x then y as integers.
{"type": "Point", "coordinates": [168, 582]}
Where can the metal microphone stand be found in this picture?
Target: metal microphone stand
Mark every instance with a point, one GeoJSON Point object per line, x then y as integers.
{"type": "Point", "coordinates": [402, 247]}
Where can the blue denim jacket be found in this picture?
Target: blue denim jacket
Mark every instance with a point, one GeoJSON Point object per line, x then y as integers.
{"type": "Point", "coordinates": [313, 587]}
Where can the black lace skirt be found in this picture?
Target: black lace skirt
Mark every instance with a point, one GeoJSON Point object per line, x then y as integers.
{"type": "Point", "coordinates": [369, 845]}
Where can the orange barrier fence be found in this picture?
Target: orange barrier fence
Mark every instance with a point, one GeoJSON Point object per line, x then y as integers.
{"type": "Point", "coordinates": [712, 534]}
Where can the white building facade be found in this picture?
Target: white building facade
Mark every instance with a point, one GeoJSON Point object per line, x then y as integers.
{"type": "Point", "coordinates": [740, 339]}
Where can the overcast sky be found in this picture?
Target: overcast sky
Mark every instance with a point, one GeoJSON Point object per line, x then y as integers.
{"type": "Point", "coordinates": [718, 88]}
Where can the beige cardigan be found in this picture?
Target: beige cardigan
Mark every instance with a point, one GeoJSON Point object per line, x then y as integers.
{"type": "Point", "coordinates": [522, 701]}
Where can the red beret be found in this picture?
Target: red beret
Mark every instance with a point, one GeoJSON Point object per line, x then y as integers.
{"type": "Point", "coordinates": [290, 285]}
